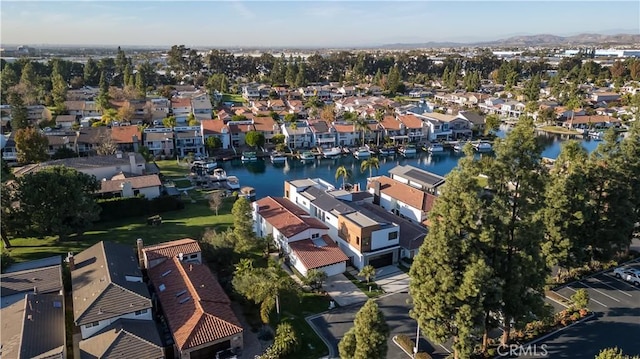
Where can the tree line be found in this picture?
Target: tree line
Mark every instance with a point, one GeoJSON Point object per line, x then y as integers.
{"type": "Point", "coordinates": [491, 250]}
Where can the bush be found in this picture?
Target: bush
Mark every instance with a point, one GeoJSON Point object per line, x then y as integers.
{"type": "Point", "coordinates": [580, 298]}
{"type": "Point", "coordinates": [422, 355]}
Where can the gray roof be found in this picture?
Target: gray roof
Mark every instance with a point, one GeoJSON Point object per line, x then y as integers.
{"type": "Point", "coordinates": [411, 234]}
{"type": "Point", "coordinates": [327, 202]}
{"type": "Point", "coordinates": [34, 327]}
{"type": "Point", "coordinates": [303, 183]}
{"type": "Point", "coordinates": [38, 263]}
{"type": "Point", "coordinates": [14, 285]}
{"type": "Point", "coordinates": [124, 338]}
{"type": "Point", "coordinates": [100, 287]}
{"type": "Point", "coordinates": [80, 163]}
{"type": "Point", "coordinates": [158, 136]}
{"type": "Point", "coordinates": [420, 176]}
{"type": "Point", "coordinates": [475, 118]}
{"type": "Point", "coordinates": [367, 216]}
{"type": "Point", "coordinates": [320, 126]}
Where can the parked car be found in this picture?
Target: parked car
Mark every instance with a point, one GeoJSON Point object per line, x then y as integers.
{"type": "Point", "coordinates": [628, 274]}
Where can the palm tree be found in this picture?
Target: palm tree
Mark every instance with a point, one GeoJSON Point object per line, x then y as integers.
{"type": "Point", "coordinates": [379, 117]}
{"type": "Point", "coordinates": [293, 126]}
{"type": "Point", "coordinates": [361, 124]}
{"type": "Point", "coordinates": [343, 172]}
{"type": "Point", "coordinates": [572, 104]}
{"type": "Point", "coordinates": [367, 272]}
{"type": "Point", "coordinates": [370, 163]}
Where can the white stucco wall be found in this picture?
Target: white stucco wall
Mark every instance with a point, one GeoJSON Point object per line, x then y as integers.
{"type": "Point", "coordinates": [89, 331]}
{"type": "Point", "coordinates": [380, 238]}
{"type": "Point", "coordinates": [150, 192]}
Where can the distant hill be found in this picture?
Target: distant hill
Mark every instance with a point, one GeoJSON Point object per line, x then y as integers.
{"type": "Point", "coordinates": [534, 40]}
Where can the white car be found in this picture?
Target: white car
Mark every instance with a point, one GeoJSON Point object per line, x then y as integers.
{"type": "Point", "coordinates": [628, 274]}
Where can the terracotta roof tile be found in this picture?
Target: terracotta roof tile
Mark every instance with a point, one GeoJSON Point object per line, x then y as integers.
{"type": "Point", "coordinates": [411, 121]}
{"type": "Point", "coordinates": [314, 256]}
{"type": "Point", "coordinates": [172, 249]}
{"type": "Point", "coordinates": [592, 119]}
{"type": "Point", "coordinates": [264, 124]}
{"type": "Point", "coordinates": [124, 134]}
{"type": "Point", "coordinates": [390, 123]}
{"type": "Point", "coordinates": [180, 102]}
{"type": "Point", "coordinates": [343, 127]}
{"type": "Point", "coordinates": [202, 314]}
{"type": "Point", "coordinates": [212, 126]}
{"type": "Point", "coordinates": [285, 216]}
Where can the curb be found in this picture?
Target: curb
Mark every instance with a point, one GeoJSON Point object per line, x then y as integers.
{"type": "Point", "coordinates": [324, 340]}
{"type": "Point", "coordinates": [595, 274]}
{"type": "Point", "coordinates": [400, 346]}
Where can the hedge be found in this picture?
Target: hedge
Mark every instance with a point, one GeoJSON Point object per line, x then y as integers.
{"type": "Point", "coordinates": [117, 208]}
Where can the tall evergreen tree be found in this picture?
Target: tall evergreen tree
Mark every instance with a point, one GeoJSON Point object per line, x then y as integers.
{"type": "Point", "coordinates": [141, 86]}
{"type": "Point", "coordinates": [103, 94]}
{"type": "Point", "coordinates": [91, 73]}
{"type": "Point", "coordinates": [243, 224]}
{"type": "Point", "coordinates": [367, 339]}
{"type": "Point", "coordinates": [127, 74]}
{"type": "Point", "coordinates": [59, 89]}
{"type": "Point", "coordinates": [512, 223]}
{"type": "Point", "coordinates": [19, 115]}
{"type": "Point", "coordinates": [630, 153]}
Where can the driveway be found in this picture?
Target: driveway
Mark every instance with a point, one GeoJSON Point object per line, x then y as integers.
{"type": "Point", "coordinates": [616, 304]}
{"type": "Point", "coordinates": [343, 291]}
{"type": "Point", "coordinates": [333, 325]}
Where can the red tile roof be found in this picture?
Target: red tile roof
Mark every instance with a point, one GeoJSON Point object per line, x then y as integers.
{"type": "Point", "coordinates": [124, 134]}
{"type": "Point", "coordinates": [286, 217]}
{"type": "Point", "coordinates": [405, 193]}
{"type": "Point", "coordinates": [205, 313]}
{"type": "Point", "coordinates": [313, 256]}
{"type": "Point", "coordinates": [411, 121]}
{"type": "Point", "coordinates": [172, 249]}
{"type": "Point", "coordinates": [592, 119]}
{"type": "Point", "coordinates": [390, 123]}
{"type": "Point", "coordinates": [180, 102]}
{"type": "Point", "coordinates": [344, 127]}
{"type": "Point", "coordinates": [264, 124]}
{"type": "Point", "coordinates": [212, 126]}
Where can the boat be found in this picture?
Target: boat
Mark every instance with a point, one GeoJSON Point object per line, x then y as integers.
{"type": "Point", "coordinates": [435, 148]}
{"type": "Point", "coordinates": [233, 182]}
{"type": "Point", "coordinates": [249, 157]}
{"type": "Point", "coordinates": [387, 151]}
{"type": "Point", "coordinates": [248, 193]}
{"type": "Point", "coordinates": [220, 174]}
{"type": "Point", "coordinates": [458, 146]}
{"type": "Point", "coordinates": [333, 152]}
{"type": "Point", "coordinates": [307, 156]}
{"type": "Point", "coordinates": [278, 157]}
{"type": "Point", "coordinates": [596, 135]}
{"type": "Point", "coordinates": [362, 152]}
{"type": "Point", "coordinates": [408, 150]}
{"type": "Point", "coordinates": [482, 146]}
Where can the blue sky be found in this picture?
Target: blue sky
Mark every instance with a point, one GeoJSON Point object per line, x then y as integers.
{"type": "Point", "coordinates": [304, 22]}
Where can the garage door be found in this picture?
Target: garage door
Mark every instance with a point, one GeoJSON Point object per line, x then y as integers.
{"type": "Point", "coordinates": [381, 261]}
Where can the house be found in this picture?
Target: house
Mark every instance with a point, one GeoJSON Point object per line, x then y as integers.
{"type": "Point", "coordinates": [43, 276]}
{"type": "Point", "coordinates": [201, 107]}
{"type": "Point", "coordinates": [37, 113]}
{"type": "Point", "coordinates": [302, 238]}
{"type": "Point", "coordinates": [216, 128]}
{"type": "Point", "coordinates": [393, 129]}
{"type": "Point", "coordinates": [582, 123]}
{"type": "Point", "coordinates": [323, 135]}
{"type": "Point", "coordinates": [196, 308]}
{"type": "Point", "coordinates": [460, 127]}
{"type": "Point", "coordinates": [60, 139]}
{"type": "Point", "coordinates": [267, 126]}
{"type": "Point", "coordinates": [361, 232]}
{"type": "Point", "coordinates": [438, 125]}
{"type": "Point", "coordinates": [127, 138]}
{"type": "Point", "coordinates": [414, 128]}
{"type": "Point", "coordinates": [66, 121]}
{"type": "Point", "coordinates": [160, 104]}
{"type": "Point", "coordinates": [298, 136]}
{"type": "Point", "coordinates": [99, 166]}
{"type": "Point", "coordinates": [188, 140]}
{"type": "Point", "coordinates": [186, 249]}
{"type": "Point", "coordinates": [250, 93]}
{"type": "Point", "coordinates": [346, 134]}
{"type": "Point", "coordinates": [277, 105]}
{"type": "Point", "coordinates": [34, 327]}
{"type": "Point", "coordinates": [124, 338]}
{"type": "Point", "coordinates": [120, 185]}
{"type": "Point", "coordinates": [75, 108]}
{"type": "Point", "coordinates": [400, 198]}
{"type": "Point", "coordinates": [181, 108]}
{"type": "Point", "coordinates": [107, 286]}
{"type": "Point", "coordinates": [417, 178]}
{"type": "Point", "coordinates": [238, 130]}
{"type": "Point", "coordinates": [477, 121]}
{"type": "Point", "coordinates": [605, 96]}
{"type": "Point", "coordinates": [159, 141]}
{"type": "Point", "coordinates": [87, 140]}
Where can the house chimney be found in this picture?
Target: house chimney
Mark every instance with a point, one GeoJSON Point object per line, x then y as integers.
{"type": "Point", "coordinates": [139, 245]}
{"type": "Point", "coordinates": [70, 261]}
{"type": "Point", "coordinates": [35, 290]}
{"type": "Point", "coordinates": [132, 162]}
{"type": "Point", "coordinates": [376, 192]}
{"type": "Point", "coordinates": [136, 143]}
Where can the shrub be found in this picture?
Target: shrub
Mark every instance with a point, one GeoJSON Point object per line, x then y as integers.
{"type": "Point", "coordinates": [405, 342]}
{"type": "Point", "coordinates": [580, 298]}
{"type": "Point", "coordinates": [422, 355]}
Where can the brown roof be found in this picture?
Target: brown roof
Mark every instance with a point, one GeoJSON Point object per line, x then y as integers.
{"type": "Point", "coordinates": [180, 102]}
{"type": "Point", "coordinates": [405, 193]}
{"type": "Point", "coordinates": [202, 313]}
{"type": "Point", "coordinates": [592, 119]}
{"type": "Point", "coordinates": [343, 127]}
{"type": "Point", "coordinates": [46, 280]}
{"type": "Point", "coordinates": [137, 182]}
{"type": "Point", "coordinates": [212, 126]}
{"type": "Point", "coordinates": [318, 253]}
{"type": "Point", "coordinates": [263, 124]}
{"type": "Point", "coordinates": [124, 338]}
{"type": "Point", "coordinates": [92, 135]}
{"type": "Point", "coordinates": [124, 134]}
{"type": "Point", "coordinates": [411, 121]}
{"type": "Point", "coordinates": [390, 123]}
{"type": "Point", "coordinates": [65, 118]}
{"type": "Point", "coordinates": [171, 249]}
{"type": "Point", "coordinates": [74, 105]}
{"type": "Point", "coordinates": [286, 217]}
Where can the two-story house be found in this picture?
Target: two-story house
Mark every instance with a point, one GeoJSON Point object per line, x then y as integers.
{"type": "Point", "coordinates": [438, 125]}
{"type": "Point", "coordinates": [298, 135]}
{"type": "Point", "coordinates": [127, 138]}
{"type": "Point", "coordinates": [417, 178]}
{"type": "Point", "coordinates": [87, 140]}
{"type": "Point", "coordinates": [414, 128]}
{"type": "Point", "coordinates": [267, 126]}
{"type": "Point", "coordinates": [476, 120]}
{"type": "Point", "coordinates": [302, 238]}
{"type": "Point", "coordinates": [250, 93]}
{"type": "Point", "coordinates": [346, 134]}
{"type": "Point", "coordinates": [401, 199]}
{"type": "Point", "coordinates": [216, 128]}
{"type": "Point", "coordinates": [201, 107]}
{"type": "Point", "coordinates": [181, 108]}
{"type": "Point", "coordinates": [186, 249]}
{"type": "Point", "coordinates": [60, 139]}
{"type": "Point", "coordinates": [324, 135]}
{"type": "Point", "coordinates": [188, 140]}
{"type": "Point", "coordinates": [159, 141]}
{"type": "Point", "coordinates": [107, 286]}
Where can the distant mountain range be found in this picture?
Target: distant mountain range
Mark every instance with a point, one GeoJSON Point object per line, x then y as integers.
{"type": "Point", "coordinates": [533, 40]}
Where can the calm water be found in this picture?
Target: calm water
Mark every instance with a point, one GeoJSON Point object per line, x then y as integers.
{"type": "Point", "coordinates": [268, 179]}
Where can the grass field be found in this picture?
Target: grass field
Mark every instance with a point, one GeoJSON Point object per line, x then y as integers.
{"type": "Point", "coordinates": [558, 129]}
{"type": "Point", "coordinates": [294, 310]}
{"type": "Point", "coordinates": [229, 97]}
{"type": "Point", "coordinates": [191, 222]}
{"type": "Point", "coordinates": [171, 168]}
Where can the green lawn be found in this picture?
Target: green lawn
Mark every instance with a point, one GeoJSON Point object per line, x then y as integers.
{"type": "Point", "coordinates": [558, 129]}
{"type": "Point", "coordinates": [363, 286]}
{"type": "Point", "coordinates": [192, 221]}
{"type": "Point", "coordinates": [171, 169]}
{"type": "Point", "coordinates": [230, 97]}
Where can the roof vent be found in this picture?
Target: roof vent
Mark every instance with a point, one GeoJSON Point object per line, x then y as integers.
{"type": "Point", "coordinates": [181, 293]}
{"type": "Point", "coordinates": [166, 273]}
{"type": "Point", "coordinates": [162, 287]}
{"type": "Point", "coordinates": [183, 300]}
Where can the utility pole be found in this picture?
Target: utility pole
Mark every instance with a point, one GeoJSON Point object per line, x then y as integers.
{"type": "Point", "coordinates": [415, 349]}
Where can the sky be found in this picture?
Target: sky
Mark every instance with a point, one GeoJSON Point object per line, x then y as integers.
{"type": "Point", "coordinates": [303, 23]}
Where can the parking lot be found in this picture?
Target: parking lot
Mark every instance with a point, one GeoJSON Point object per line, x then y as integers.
{"type": "Point", "coordinates": [616, 304]}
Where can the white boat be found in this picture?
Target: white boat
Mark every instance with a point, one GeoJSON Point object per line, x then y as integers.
{"type": "Point", "coordinates": [220, 174]}
{"type": "Point", "coordinates": [233, 182]}
{"type": "Point", "coordinates": [482, 146]}
{"type": "Point", "coordinates": [408, 150]}
{"type": "Point", "coordinates": [277, 157]}
{"type": "Point", "coordinates": [362, 152]}
{"type": "Point", "coordinates": [307, 156]}
{"type": "Point", "coordinates": [249, 157]}
{"type": "Point", "coordinates": [458, 146]}
{"type": "Point", "coordinates": [435, 148]}
{"type": "Point", "coordinates": [387, 151]}
{"type": "Point", "coordinates": [333, 152]}
{"type": "Point", "coordinates": [596, 135]}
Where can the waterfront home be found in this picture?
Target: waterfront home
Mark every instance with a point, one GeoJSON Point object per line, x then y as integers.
{"type": "Point", "coordinates": [300, 237]}
{"type": "Point", "coordinates": [582, 123]}
{"type": "Point", "coordinates": [267, 126]}
{"type": "Point", "coordinates": [401, 199]}
{"type": "Point", "coordinates": [323, 135]}
{"type": "Point", "coordinates": [475, 121]}
{"type": "Point", "coordinates": [417, 178]}
{"type": "Point", "coordinates": [216, 128]}
{"type": "Point", "coordinates": [298, 135]}
{"type": "Point", "coordinates": [238, 130]}
{"type": "Point", "coordinates": [186, 249]}
{"type": "Point", "coordinates": [188, 139]}
{"type": "Point", "coordinates": [393, 129]}
{"type": "Point", "coordinates": [159, 141]}
{"type": "Point", "coordinates": [346, 134]}
{"type": "Point", "coordinates": [414, 128]}
{"type": "Point", "coordinates": [197, 310]}
{"type": "Point", "coordinates": [438, 125]}
{"type": "Point", "coordinates": [107, 286]}
{"type": "Point", "coordinates": [127, 138]}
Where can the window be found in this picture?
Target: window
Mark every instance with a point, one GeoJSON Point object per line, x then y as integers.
{"type": "Point", "coordinates": [136, 192]}
{"type": "Point", "coordinates": [94, 324]}
{"type": "Point", "coordinates": [140, 312]}
{"type": "Point", "coordinates": [193, 256]}
{"type": "Point", "coordinates": [315, 235]}
{"type": "Point", "coordinates": [393, 235]}
{"type": "Point", "coordinates": [358, 240]}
